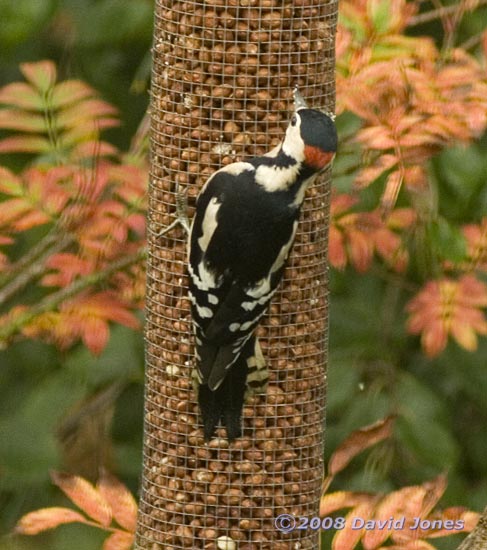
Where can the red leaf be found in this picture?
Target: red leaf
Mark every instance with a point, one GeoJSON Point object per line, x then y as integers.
{"type": "Point", "coordinates": [84, 495]}
{"type": "Point", "coordinates": [358, 441]}
{"type": "Point", "coordinates": [70, 91]}
{"type": "Point", "coordinates": [46, 518]}
{"type": "Point", "coordinates": [120, 499]}
{"type": "Point", "coordinates": [91, 109]}
{"type": "Point", "coordinates": [90, 149]}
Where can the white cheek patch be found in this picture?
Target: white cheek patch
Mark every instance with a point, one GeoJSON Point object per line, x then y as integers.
{"type": "Point", "coordinates": [293, 144]}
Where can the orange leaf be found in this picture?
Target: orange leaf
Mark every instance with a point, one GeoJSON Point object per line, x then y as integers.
{"type": "Point", "coordinates": [358, 441]}
{"type": "Point", "coordinates": [46, 518]}
{"type": "Point", "coordinates": [84, 495]}
{"type": "Point", "coordinates": [434, 491]}
{"type": "Point", "coordinates": [342, 499]}
{"type": "Point", "coordinates": [348, 538]}
{"type": "Point", "coordinates": [24, 144]}
{"type": "Point", "coordinates": [410, 545]}
{"type": "Point", "coordinates": [119, 541]}
{"type": "Point", "coordinates": [120, 499]}
{"type": "Point", "coordinates": [391, 191]}
{"type": "Point", "coordinates": [336, 249]}
{"type": "Point", "coordinates": [31, 219]}
{"type": "Point", "coordinates": [42, 74]}
{"type": "Point", "coordinates": [361, 249]}
{"type": "Point", "coordinates": [11, 210]}
{"type": "Point", "coordinates": [16, 119]}
{"type": "Point", "coordinates": [454, 520]}
{"type": "Point", "coordinates": [95, 334]}
{"type": "Point", "coordinates": [434, 339]}
{"type": "Point", "coordinates": [376, 137]}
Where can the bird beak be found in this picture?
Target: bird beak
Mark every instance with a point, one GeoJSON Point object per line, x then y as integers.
{"type": "Point", "coordinates": [299, 102]}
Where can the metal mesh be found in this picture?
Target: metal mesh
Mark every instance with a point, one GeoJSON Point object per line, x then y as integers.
{"type": "Point", "coordinates": [222, 91]}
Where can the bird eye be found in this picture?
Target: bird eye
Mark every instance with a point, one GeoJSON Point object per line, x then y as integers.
{"type": "Point", "coordinates": [294, 120]}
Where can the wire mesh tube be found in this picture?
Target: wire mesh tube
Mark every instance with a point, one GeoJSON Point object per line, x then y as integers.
{"type": "Point", "coordinates": [222, 85]}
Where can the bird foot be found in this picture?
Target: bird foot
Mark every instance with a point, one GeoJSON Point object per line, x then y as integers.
{"type": "Point", "coordinates": [181, 213]}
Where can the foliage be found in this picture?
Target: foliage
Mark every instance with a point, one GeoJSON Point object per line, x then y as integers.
{"type": "Point", "coordinates": [373, 519]}
{"type": "Point", "coordinates": [412, 100]}
{"type": "Point", "coordinates": [88, 199]}
{"type": "Point", "coordinates": [408, 244]}
{"type": "Point", "coordinates": [108, 502]}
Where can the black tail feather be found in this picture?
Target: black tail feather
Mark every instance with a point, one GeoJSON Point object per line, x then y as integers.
{"type": "Point", "coordinates": [225, 403]}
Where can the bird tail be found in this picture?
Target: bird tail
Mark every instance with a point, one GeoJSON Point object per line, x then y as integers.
{"type": "Point", "coordinates": [225, 403]}
{"type": "Point", "coordinates": [247, 376]}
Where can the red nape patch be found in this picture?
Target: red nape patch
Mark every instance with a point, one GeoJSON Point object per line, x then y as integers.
{"type": "Point", "coordinates": [316, 157]}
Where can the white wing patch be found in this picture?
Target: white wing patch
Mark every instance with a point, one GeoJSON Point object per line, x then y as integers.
{"type": "Point", "coordinates": [204, 279]}
{"type": "Point", "coordinates": [209, 223]}
{"type": "Point", "coordinates": [203, 311]}
{"type": "Point", "coordinates": [249, 306]}
{"type": "Point", "coordinates": [236, 168]}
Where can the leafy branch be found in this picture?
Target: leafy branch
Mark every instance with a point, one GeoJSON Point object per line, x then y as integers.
{"type": "Point", "coordinates": [54, 300]}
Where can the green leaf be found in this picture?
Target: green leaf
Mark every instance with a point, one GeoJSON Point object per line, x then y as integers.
{"type": "Point", "coordinates": [27, 432]}
{"type": "Point", "coordinates": [41, 74]}
{"type": "Point", "coordinates": [70, 91]}
{"type": "Point", "coordinates": [380, 13]}
{"type": "Point", "coordinates": [120, 360]}
{"type": "Point", "coordinates": [10, 184]}
{"type": "Point", "coordinates": [447, 240]}
{"type": "Point", "coordinates": [15, 119]}
{"type": "Point", "coordinates": [431, 442]}
{"type": "Point", "coordinates": [22, 95]}
{"type": "Point", "coordinates": [423, 424]}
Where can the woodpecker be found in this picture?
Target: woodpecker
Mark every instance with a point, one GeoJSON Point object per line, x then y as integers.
{"type": "Point", "coordinates": [244, 226]}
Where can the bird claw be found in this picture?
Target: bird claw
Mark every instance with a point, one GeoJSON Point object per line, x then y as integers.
{"type": "Point", "coordinates": [181, 213]}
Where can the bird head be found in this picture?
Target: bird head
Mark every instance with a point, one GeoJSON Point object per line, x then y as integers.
{"type": "Point", "coordinates": [311, 136]}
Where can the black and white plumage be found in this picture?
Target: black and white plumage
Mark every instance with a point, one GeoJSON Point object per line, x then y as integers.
{"type": "Point", "coordinates": [243, 230]}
